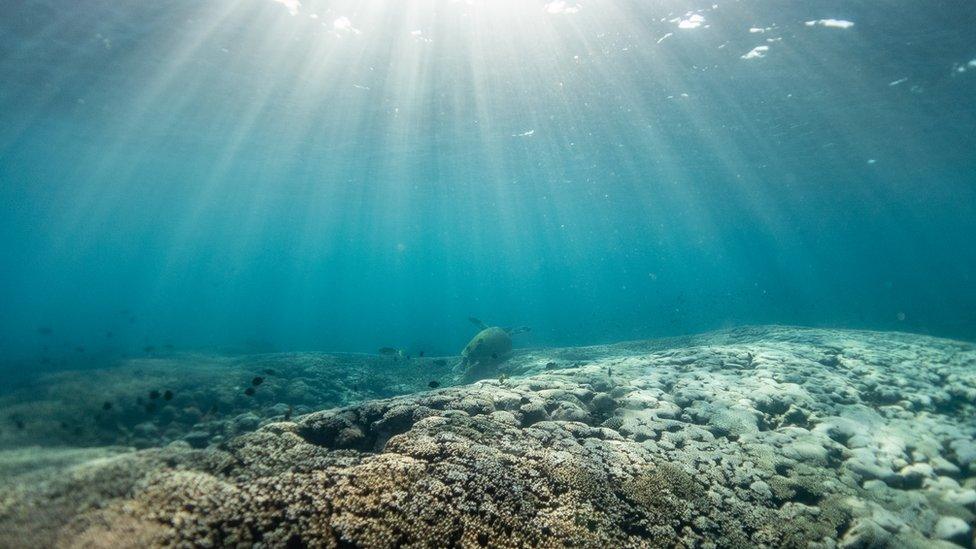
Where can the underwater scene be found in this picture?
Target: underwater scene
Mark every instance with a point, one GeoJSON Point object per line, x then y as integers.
{"type": "Point", "coordinates": [487, 273]}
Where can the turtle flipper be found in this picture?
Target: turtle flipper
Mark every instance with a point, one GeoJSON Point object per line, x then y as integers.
{"type": "Point", "coordinates": [477, 322]}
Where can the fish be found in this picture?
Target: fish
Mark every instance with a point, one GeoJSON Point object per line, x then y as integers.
{"type": "Point", "coordinates": [45, 330]}
{"type": "Point", "coordinates": [288, 413]}
{"type": "Point", "coordinates": [249, 391]}
{"type": "Point", "coordinates": [551, 365]}
{"type": "Point", "coordinates": [258, 380]}
{"type": "Point", "coordinates": [153, 395]}
{"type": "Point", "coordinates": [388, 351]}
{"type": "Point", "coordinates": [79, 349]}
{"type": "Point", "coordinates": [434, 384]}
{"type": "Point", "coordinates": [148, 349]}
{"type": "Point", "coordinates": [168, 395]}
{"type": "Point", "coordinates": [420, 354]}
{"type": "Point", "coordinates": [151, 408]}
{"type": "Point", "coordinates": [109, 334]}
{"type": "Point", "coordinates": [269, 371]}
{"type": "Point", "coordinates": [440, 362]}
{"type": "Point", "coordinates": [106, 405]}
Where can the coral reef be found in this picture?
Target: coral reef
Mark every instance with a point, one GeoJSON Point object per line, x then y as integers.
{"type": "Point", "coordinates": [209, 400]}
{"type": "Point", "coordinates": [769, 437]}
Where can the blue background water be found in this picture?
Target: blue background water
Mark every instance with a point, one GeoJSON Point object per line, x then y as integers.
{"type": "Point", "coordinates": [229, 175]}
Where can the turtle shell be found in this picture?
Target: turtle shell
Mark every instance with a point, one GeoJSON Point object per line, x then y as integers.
{"type": "Point", "coordinates": [491, 343]}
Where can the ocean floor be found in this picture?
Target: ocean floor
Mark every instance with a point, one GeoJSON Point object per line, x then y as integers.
{"type": "Point", "coordinates": [765, 436]}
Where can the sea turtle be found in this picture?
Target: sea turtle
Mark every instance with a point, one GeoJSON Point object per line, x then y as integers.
{"type": "Point", "coordinates": [489, 348]}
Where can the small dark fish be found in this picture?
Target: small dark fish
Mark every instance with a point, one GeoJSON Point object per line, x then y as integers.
{"type": "Point", "coordinates": [213, 409]}
{"type": "Point", "coordinates": [249, 391]}
{"type": "Point", "coordinates": [258, 380]}
{"type": "Point", "coordinates": [440, 362]}
{"type": "Point", "coordinates": [387, 351]}
{"type": "Point", "coordinates": [609, 372]}
{"type": "Point", "coordinates": [420, 354]}
{"type": "Point", "coordinates": [64, 425]}
{"type": "Point", "coordinates": [433, 384]}
{"type": "Point", "coordinates": [151, 408]}
{"type": "Point", "coordinates": [109, 334]}
{"type": "Point", "coordinates": [168, 346]}
{"type": "Point", "coordinates": [148, 349]}
{"type": "Point", "coordinates": [288, 414]}
{"type": "Point", "coordinates": [153, 395]}
{"type": "Point", "coordinates": [551, 365]}
{"type": "Point", "coordinates": [45, 330]}
{"type": "Point", "coordinates": [494, 355]}
{"type": "Point", "coordinates": [19, 423]}
{"type": "Point", "coordinates": [168, 395]}
{"type": "Point", "coordinates": [270, 372]}
{"type": "Point", "coordinates": [79, 349]}
{"type": "Point", "coordinates": [107, 405]}
{"type": "Point", "coordinates": [476, 322]}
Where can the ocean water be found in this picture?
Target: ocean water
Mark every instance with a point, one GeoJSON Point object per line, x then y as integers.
{"type": "Point", "coordinates": [724, 236]}
{"type": "Point", "coordinates": [262, 175]}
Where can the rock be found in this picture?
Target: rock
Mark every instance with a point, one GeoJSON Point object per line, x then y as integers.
{"type": "Point", "coordinates": [197, 439]}
{"type": "Point", "coordinates": [567, 411]}
{"type": "Point", "coordinates": [952, 529]}
{"type": "Point", "coordinates": [965, 453]}
{"type": "Point", "coordinates": [913, 475]}
{"type": "Point", "coordinates": [865, 463]}
{"type": "Point", "coordinates": [279, 409]}
{"type": "Point", "coordinates": [945, 467]}
{"type": "Point", "coordinates": [147, 430]}
{"type": "Point", "coordinates": [960, 497]}
{"type": "Point", "coordinates": [864, 534]}
{"type": "Point", "coordinates": [602, 403]}
{"type": "Point", "coordinates": [246, 422]}
{"type": "Point", "coordinates": [533, 412]}
{"type": "Point", "coordinates": [504, 417]}
{"type": "Point", "coordinates": [761, 488]}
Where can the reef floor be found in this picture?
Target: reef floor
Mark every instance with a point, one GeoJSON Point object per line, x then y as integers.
{"type": "Point", "coordinates": [751, 437]}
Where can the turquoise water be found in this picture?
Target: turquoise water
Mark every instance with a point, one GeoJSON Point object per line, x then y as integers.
{"type": "Point", "coordinates": [259, 175]}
